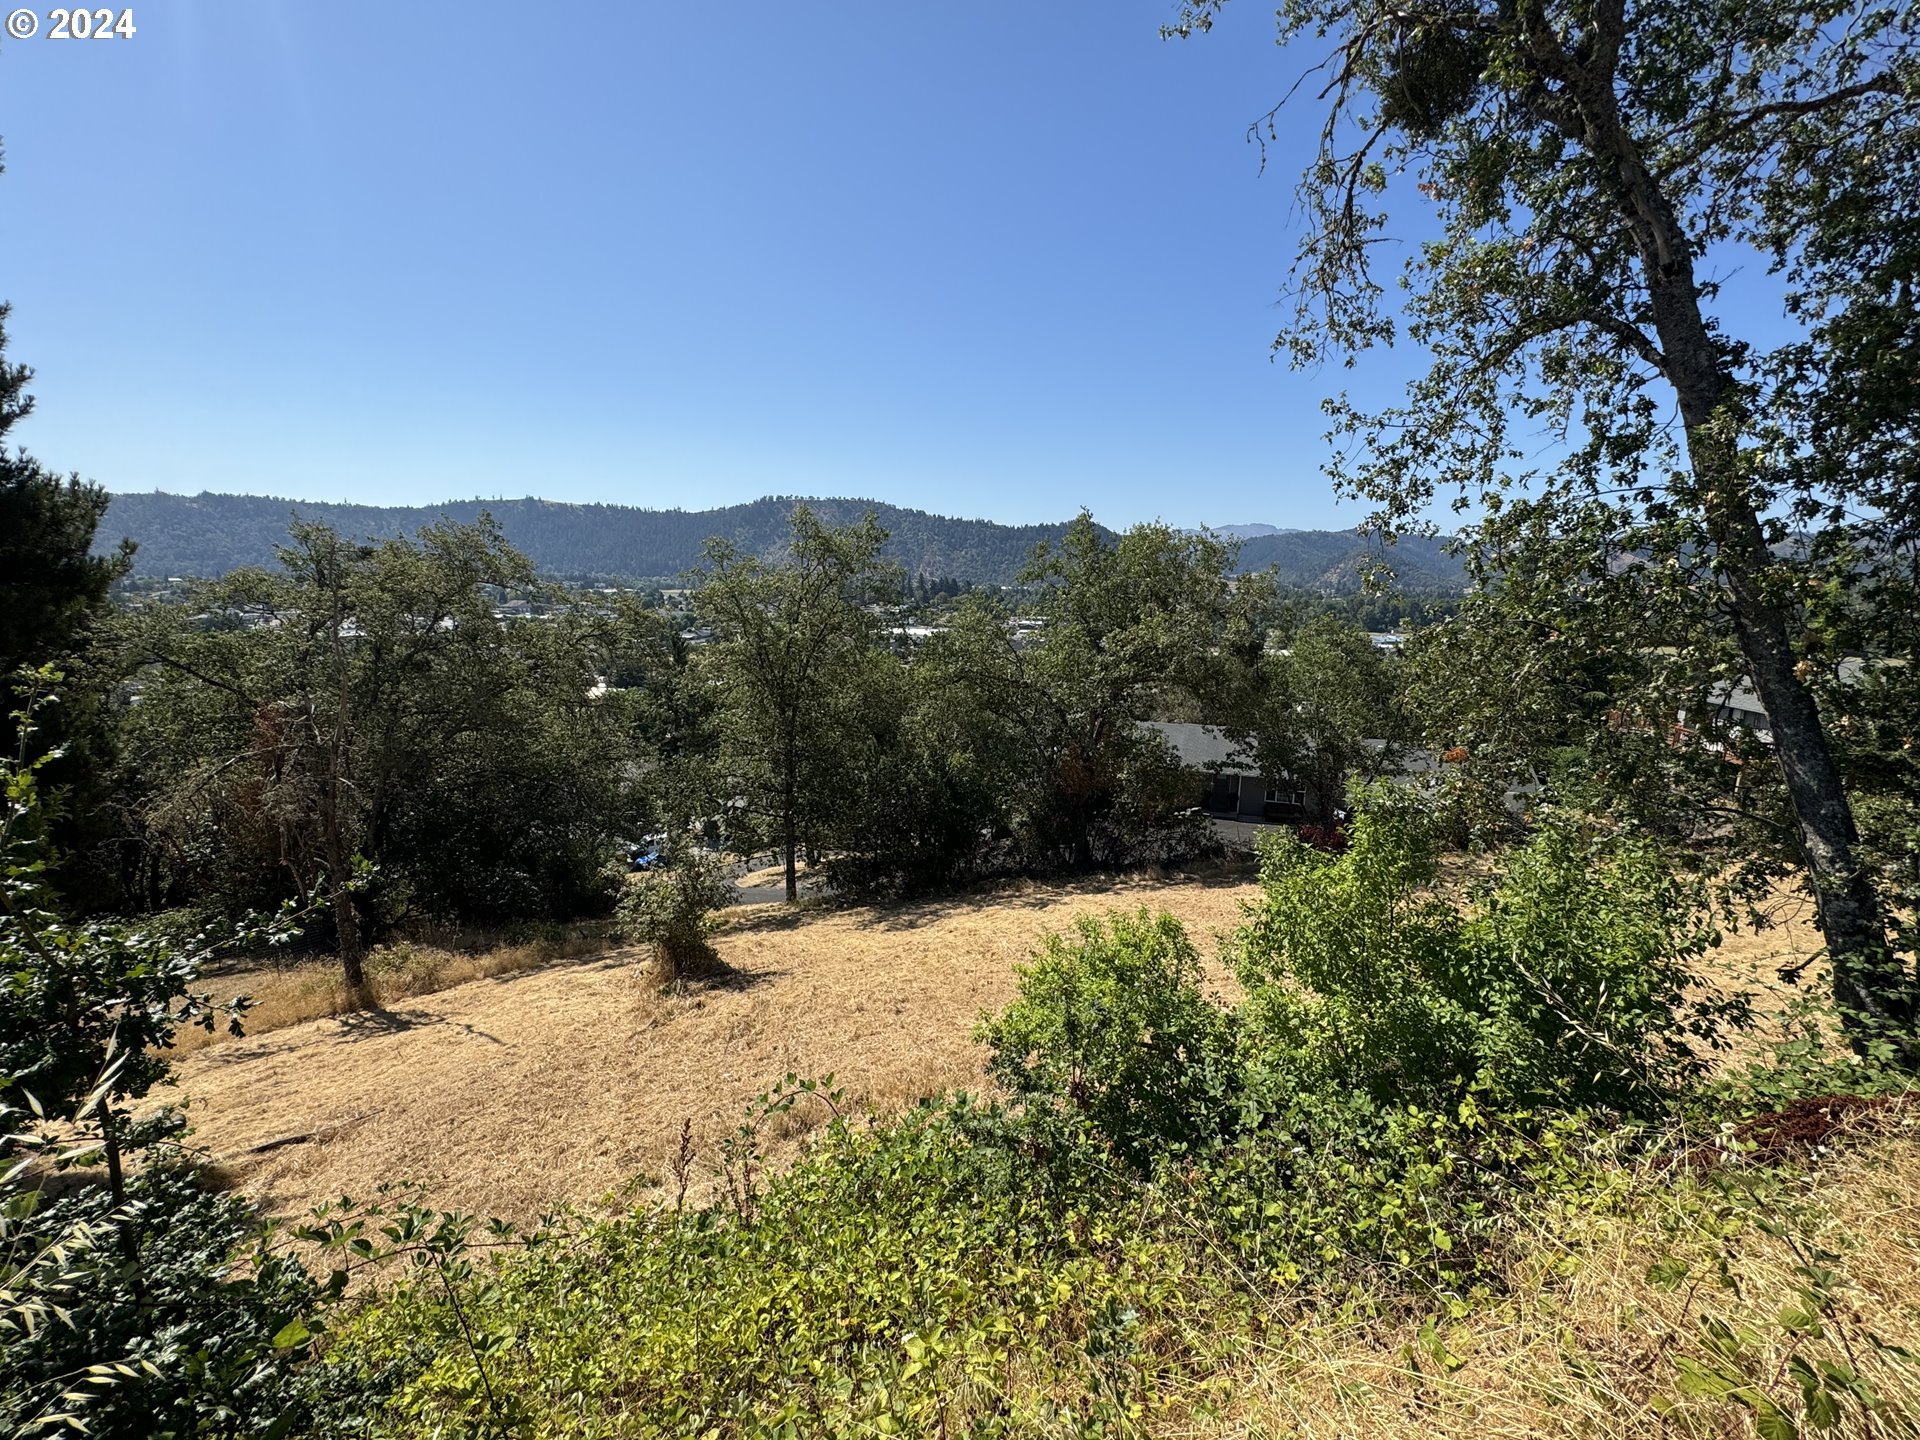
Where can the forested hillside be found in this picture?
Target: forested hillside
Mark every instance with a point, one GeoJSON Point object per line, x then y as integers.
{"type": "Point", "coordinates": [1336, 559]}
{"type": "Point", "coordinates": [209, 535]}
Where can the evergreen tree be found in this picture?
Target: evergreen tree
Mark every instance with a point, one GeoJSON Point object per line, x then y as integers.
{"type": "Point", "coordinates": [53, 591]}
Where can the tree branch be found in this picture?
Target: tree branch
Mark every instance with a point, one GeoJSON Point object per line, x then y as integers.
{"type": "Point", "coordinates": [1884, 84]}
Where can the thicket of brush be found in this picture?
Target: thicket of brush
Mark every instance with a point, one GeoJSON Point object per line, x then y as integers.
{"type": "Point", "coordinates": [1447, 1164]}
{"type": "Point", "coordinates": [1476, 1125]}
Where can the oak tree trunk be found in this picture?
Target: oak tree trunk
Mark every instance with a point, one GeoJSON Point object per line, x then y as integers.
{"type": "Point", "coordinates": [788, 805]}
{"type": "Point", "coordinates": [1870, 983]}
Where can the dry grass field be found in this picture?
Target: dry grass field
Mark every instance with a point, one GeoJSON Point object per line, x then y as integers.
{"type": "Point", "coordinates": [310, 987]}
{"type": "Point", "coordinates": [513, 1092]}
{"type": "Point", "coordinates": [518, 1088]}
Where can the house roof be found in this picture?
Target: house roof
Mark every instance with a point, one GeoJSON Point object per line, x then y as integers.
{"type": "Point", "coordinates": [1204, 747]}
{"type": "Point", "coordinates": [1739, 696]}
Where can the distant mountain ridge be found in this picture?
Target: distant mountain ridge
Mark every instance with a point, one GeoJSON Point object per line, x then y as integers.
{"type": "Point", "coordinates": [208, 535]}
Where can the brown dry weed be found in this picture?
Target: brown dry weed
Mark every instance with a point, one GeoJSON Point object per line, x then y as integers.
{"type": "Point", "coordinates": [513, 1093]}
{"type": "Point", "coordinates": [1591, 1338]}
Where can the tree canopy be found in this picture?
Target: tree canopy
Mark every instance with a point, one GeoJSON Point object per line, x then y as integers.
{"type": "Point", "coordinates": [1592, 167]}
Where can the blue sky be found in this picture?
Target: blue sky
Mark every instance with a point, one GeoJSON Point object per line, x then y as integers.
{"type": "Point", "coordinates": [980, 257]}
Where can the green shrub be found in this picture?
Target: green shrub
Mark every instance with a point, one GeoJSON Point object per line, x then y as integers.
{"type": "Point", "coordinates": [157, 1317]}
{"type": "Point", "coordinates": [916, 1277]}
{"type": "Point", "coordinates": [1397, 1058]}
{"type": "Point", "coordinates": [1112, 1023]}
{"type": "Point", "coordinates": [1568, 979]}
{"type": "Point", "coordinates": [671, 908]}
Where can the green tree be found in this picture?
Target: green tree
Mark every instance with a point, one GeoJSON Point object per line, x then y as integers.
{"type": "Point", "coordinates": [787, 633]}
{"type": "Point", "coordinates": [1129, 627]}
{"type": "Point", "coordinates": [365, 704]}
{"type": "Point", "coordinates": [1322, 709]}
{"type": "Point", "coordinates": [52, 587]}
{"type": "Point", "coordinates": [928, 778]}
{"type": "Point", "coordinates": [1592, 166]}
{"type": "Point", "coordinates": [53, 593]}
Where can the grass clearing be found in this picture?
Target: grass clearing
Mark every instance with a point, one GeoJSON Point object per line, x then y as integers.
{"type": "Point", "coordinates": [515, 1078]}
{"type": "Point", "coordinates": [528, 1087]}
{"type": "Point", "coordinates": [312, 988]}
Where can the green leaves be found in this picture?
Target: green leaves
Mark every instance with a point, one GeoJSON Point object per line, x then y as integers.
{"type": "Point", "coordinates": [1111, 1024]}
{"type": "Point", "coordinates": [1669, 1273]}
{"type": "Point", "coordinates": [902, 1278]}
{"type": "Point", "coordinates": [1567, 980]}
{"type": "Point", "coordinates": [672, 908]}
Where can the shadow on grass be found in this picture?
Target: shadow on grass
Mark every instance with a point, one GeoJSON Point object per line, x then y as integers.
{"type": "Point", "coordinates": [1040, 893]}
{"type": "Point", "coordinates": [377, 1020]}
{"type": "Point", "coordinates": [707, 972]}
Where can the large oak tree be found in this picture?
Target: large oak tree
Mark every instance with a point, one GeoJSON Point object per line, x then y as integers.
{"type": "Point", "coordinates": [1593, 170]}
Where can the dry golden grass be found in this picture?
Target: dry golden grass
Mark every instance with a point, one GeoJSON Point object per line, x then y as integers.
{"type": "Point", "coordinates": [1761, 960]}
{"type": "Point", "coordinates": [522, 1076]}
{"type": "Point", "coordinates": [313, 989]}
{"type": "Point", "coordinates": [1586, 1344]}
{"type": "Point", "coordinates": [513, 1093]}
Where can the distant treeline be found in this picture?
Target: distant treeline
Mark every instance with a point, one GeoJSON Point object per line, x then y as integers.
{"type": "Point", "coordinates": [210, 535]}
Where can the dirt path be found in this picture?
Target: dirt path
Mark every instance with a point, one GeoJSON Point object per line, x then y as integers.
{"type": "Point", "coordinates": [510, 1095]}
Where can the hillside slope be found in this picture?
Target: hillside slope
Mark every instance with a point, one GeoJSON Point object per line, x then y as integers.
{"type": "Point", "coordinates": [1335, 560]}
{"type": "Point", "coordinates": [209, 535]}
{"type": "Point", "coordinates": [515, 1094]}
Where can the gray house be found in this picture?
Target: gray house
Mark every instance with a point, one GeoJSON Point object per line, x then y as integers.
{"type": "Point", "coordinates": [1234, 786]}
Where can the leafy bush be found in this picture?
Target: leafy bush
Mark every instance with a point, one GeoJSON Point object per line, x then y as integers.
{"type": "Point", "coordinates": [156, 1317]}
{"type": "Point", "coordinates": [918, 1277]}
{"type": "Point", "coordinates": [1334, 1185]}
{"type": "Point", "coordinates": [672, 909]}
{"type": "Point", "coordinates": [1568, 979]}
{"type": "Point", "coordinates": [1112, 1022]}
{"type": "Point", "coordinates": [1397, 1059]}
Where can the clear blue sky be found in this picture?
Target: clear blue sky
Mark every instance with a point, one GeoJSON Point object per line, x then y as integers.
{"type": "Point", "coordinates": [981, 257]}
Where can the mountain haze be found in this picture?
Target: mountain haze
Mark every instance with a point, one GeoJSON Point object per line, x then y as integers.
{"type": "Point", "coordinates": [209, 535]}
